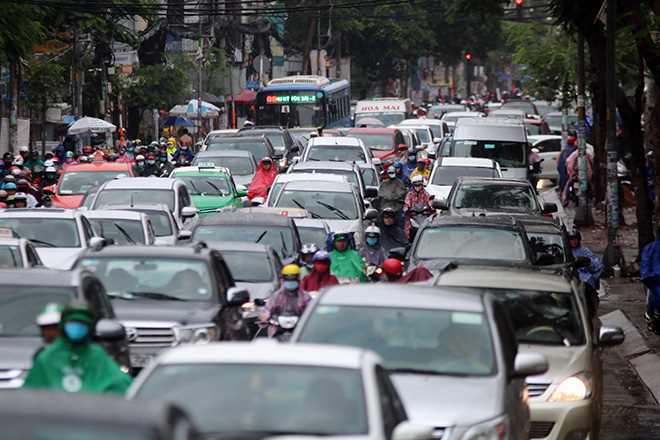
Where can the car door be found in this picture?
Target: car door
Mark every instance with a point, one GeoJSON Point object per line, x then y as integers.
{"type": "Point", "coordinates": [391, 407]}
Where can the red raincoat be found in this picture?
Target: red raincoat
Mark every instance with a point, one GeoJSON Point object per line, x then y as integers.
{"type": "Point", "coordinates": [261, 181]}
{"type": "Point", "coordinates": [314, 281]}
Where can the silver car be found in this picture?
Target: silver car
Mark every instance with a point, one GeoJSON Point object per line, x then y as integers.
{"type": "Point", "coordinates": [17, 252]}
{"type": "Point", "coordinates": [122, 227]}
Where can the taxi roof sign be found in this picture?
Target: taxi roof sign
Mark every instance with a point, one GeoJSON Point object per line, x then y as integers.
{"type": "Point", "coordinates": [206, 165]}
{"type": "Point", "coordinates": [6, 233]}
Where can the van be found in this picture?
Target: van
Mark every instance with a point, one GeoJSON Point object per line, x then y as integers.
{"type": "Point", "coordinates": [389, 111]}
{"type": "Point", "coordinates": [503, 140]}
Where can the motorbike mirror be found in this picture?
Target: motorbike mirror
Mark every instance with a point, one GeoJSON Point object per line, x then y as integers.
{"type": "Point", "coordinates": [237, 296]}
{"type": "Point", "coordinates": [371, 214]}
{"type": "Point", "coordinates": [259, 302]}
{"type": "Point", "coordinates": [402, 147]}
{"type": "Point", "coordinates": [582, 262]}
{"type": "Point", "coordinates": [398, 252]}
{"type": "Point", "coordinates": [50, 189]}
{"type": "Point", "coordinates": [549, 208]}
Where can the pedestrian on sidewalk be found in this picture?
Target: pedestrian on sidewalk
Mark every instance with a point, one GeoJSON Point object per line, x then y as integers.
{"type": "Point", "coordinates": [589, 275]}
{"type": "Point", "coordinates": [650, 273]}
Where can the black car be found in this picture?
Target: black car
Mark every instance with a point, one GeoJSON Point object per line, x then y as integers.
{"type": "Point", "coordinates": [277, 231]}
{"type": "Point", "coordinates": [28, 414]}
{"type": "Point", "coordinates": [259, 145]}
{"type": "Point", "coordinates": [25, 292]}
{"type": "Point", "coordinates": [168, 296]}
{"type": "Point", "coordinates": [286, 148]}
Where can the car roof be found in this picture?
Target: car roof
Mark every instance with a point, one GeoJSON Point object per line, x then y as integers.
{"type": "Point", "coordinates": [114, 214]}
{"type": "Point", "coordinates": [324, 186]}
{"type": "Point", "coordinates": [40, 213]}
{"type": "Point", "coordinates": [465, 113]}
{"type": "Point", "coordinates": [39, 277]}
{"type": "Point", "coordinates": [293, 212]}
{"type": "Point", "coordinates": [268, 353]}
{"type": "Point", "coordinates": [324, 164]}
{"type": "Point", "coordinates": [136, 206]}
{"type": "Point", "coordinates": [223, 153]}
{"type": "Point", "coordinates": [421, 122]}
{"type": "Point", "coordinates": [372, 130]}
{"type": "Point", "coordinates": [465, 180]}
{"type": "Point", "coordinates": [309, 223]}
{"type": "Point", "coordinates": [503, 278]}
{"type": "Point", "coordinates": [309, 177]}
{"type": "Point", "coordinates": [140, 183]}
{"type": "Point", "coordinates": [144, 251]}
{"type": "Point", "coordinates": [499, 221]}
{"type": "Point", "coordinates": [92, 166]}
{"type": "Point", "coordinates": [541, 224]}
{"type": "Point", "coordinates": [239, 139]}
{"type": "Point", "coordinates": [5, 241]}
{"type": "Point", "coordinates": [397, 295]}
{"type": "Point", "coordinates": [245, 219]}
{"type": "Point", "coordinates": [196, 170]}
{"type": "Point", "coordinates": [335, 141]}
{"type": "Point", "coordinates": [241, 246]}
{"type": "Point", "coordinates": [478, 162]}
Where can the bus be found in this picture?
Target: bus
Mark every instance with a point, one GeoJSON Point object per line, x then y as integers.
{"type": "Point", "coordinates": [305, 101]}
{"type": "Point", "coordinates": [389, 111]}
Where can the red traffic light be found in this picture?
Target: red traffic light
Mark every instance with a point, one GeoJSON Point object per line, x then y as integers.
{"type": "Point", "coordinates": [468, 56]}
{"type": "Point", "coordinates": [519, 2]}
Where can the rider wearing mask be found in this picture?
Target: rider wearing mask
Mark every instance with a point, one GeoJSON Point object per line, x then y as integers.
{"type": "Point", "coordinates": [307, 252]}
{"type": "Point", "coordinates": [391, 234]}
{"type": "Point", "coordinates": [398, 167]}
{"type": "Point", "coordinates": [290, 299]}
{"type": "Point", "coordinates": [262, 179]}
{"type": "Point", "coordinates": [73, 363]}
{"type": "Point", "coordinates": [418, 194]}
{"type": "Point", "coordinates": [411, 163]}
{"type": "Point", "coordinates": [346, 262]}
{"type": "Point", "coordinates": [165, 164]}
{"type": "Point", "coordinates": [589, 275]}
{"type": "Point", "coordinates": [138, 170]}
{"type": "Point", "coordinates": [123, 157]}
{"type": "Point", "coordinates": [50, 178]}
{"type": "Point", "coordinates": [372, 251]}
{"type": "Point", "coordinates": [152, 168]}
{"type": "Point", "coordinates": [392, 191]}
{"type": "Point", "coordinates": [69, 159]}
{"type": "Point", "coordinates": [320, 275]}
{"type": "Point", "coordinates": [421, 169]}
{"type": "Point", "coordinates": [171, 146]}
{"type": "Point", "coordinates": [184, 152]}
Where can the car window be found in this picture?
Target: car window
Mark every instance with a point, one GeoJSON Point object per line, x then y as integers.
{"type": "Point", "coordinates": [204, 186]}
{"type": "Point", "coordinates": [279, 238]}
{"type": "Point", "coordinates": [446, 175]}
{"type": "Point", "coordinates": [96, 296]}
{"type": "Point", "coordinates": [122, 232]}
{"type": "Point", "coordinates": [75, 183]}
{"type": "Point", "coordinates": [321, 204]}
{"type": "Point", "coordinates": [374, 140]}
{"type": "Point", "coordinates": [252, 267]}
{"type": "Point", "coordinates": [336, 154]}
{"type": "Point", "coordinates": [161, 222]}
{"type": "Point", "coordinates": [393, 412]}
{"type": "Point", "coordinates": [258, 149]}
{"type": "Point", "coordinates": [550, 145]}
{"type": "Point", "coordinates": [151, 235]}
{"type": "Point", "coordinates": [312, 235]}
{"type": "Point", "coordinates": [552, 244]}
{"type": "Point", "coordinates": [26, 304]}
{"type": "Point", "coordinates": [507, 154]}
{"type": "Point", "coordinates": [134, 196]}
{"type": "Point", "coordinates": [493, 197]}
{"type": "Point", "coordinates": [458, 242]}
{"type": "Point", "coordinates": [369, 176]}
{"type": "Point", "coordinates": [10, 256]}
{"type": "Point", "coordinates": [33, 257]}
{"type": "Point", "coordinates": [88, 229]}
{"type": "Point", "coordinates": [225, 274]}
{"type": "Point", "coordinates": [45, 232]}
{"type": "Point", "coordinates": [239, 166]}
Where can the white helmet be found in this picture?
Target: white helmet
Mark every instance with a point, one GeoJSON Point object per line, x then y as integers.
{"type": "Point", "coordinates": [24, 148]}
{"type": "Point", "coordinates": [417, 178]}
{"type": "Point", "coordinates": [51, 169]}
{"type": "Point", "coordinates": [48, 163]}
{"type": "Point", "coordinates": [372, 230]}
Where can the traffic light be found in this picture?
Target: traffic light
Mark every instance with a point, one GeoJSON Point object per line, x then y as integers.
{"type": "Point", "coordinates": [519, 2]}
{"type": "Point", "coordinates": [468, 56]}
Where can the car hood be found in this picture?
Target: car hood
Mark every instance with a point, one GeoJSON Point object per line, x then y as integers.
{"type": "Point", "coordinates": [563, 361]}
{"type": "Point", "coordinates": [18, 352]}
{"type": "Point", "coordinates": [181, 312]}
{"type": "Point", "coordinates": [67, 202]}
{"type": "Point", "coordinates": [243, 180]}
{"type": "Point", "coordinates": [476, 212]}
{"type": "Point", "coordinates": [211, 203]}
{"type": "Point", "coordinates": [58, 258]}
{"type": "Point", "coordinates": [445, 401]}
{"type": "Point", "coordinates": [258, 290]}
{"type": "Point", "coordinates": [439, 191]}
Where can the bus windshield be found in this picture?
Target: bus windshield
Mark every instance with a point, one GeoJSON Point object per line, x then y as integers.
{"type": "Point", "coordinates": [291, 108]}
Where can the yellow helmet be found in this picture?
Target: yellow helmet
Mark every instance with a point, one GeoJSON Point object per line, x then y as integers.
{"type": "Point", "coordinates": [291, 272]}
{"type": "Point", "coordinates": [172, 140]}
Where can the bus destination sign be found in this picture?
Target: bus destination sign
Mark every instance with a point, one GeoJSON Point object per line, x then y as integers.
{"type": "Point", "coordinates": [290, 99]}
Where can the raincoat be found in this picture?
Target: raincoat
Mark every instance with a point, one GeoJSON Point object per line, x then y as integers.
{"type": "Point", "coordinates": [392, 236]}
{"type": "Point", "coordinates": [187, 154]}
{"type": "Point", "coordinates": [415, 275]}
{"type": "Point", "coordinates": [347, 264]}
{"type": "Point", "coordinates": [284, 302]}
{"type": "Point", "coordinates": [171, 146]}
{"type": "Point", "coordinates": [561, 163]}
{"type": "Point", "coordinates": [391, 193]}
{"type": "Point", "coordinates": [261, 181]}
{"type": "Point", "coordinates": [30, 164]}
{"type": "Point", "coordinates": [83, 367]}
{"type": "Point", "coordinates": [316, 281]}
{"type": "Point", "coordinates": [572, 167]}
{"type": "Point", "coordinates": [125, 158]}
{"type": "Point", "coordinates": [409, 167]}
{"type": "Point", "coordinates": [61, 159]}
{"type": "Point", "coordinates": [373, 254]}
{"type": "Point", "coordinates": [591, 273]}
{"type": "Point", "coordinates": [650, 270]}
{"type": "Point", "coordinates": [412, 198]}
{"type": "Point", "coordinates": [425, 174]}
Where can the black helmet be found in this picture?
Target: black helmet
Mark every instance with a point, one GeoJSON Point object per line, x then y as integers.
{"type": "Point", "coordinates": [574, 233]}
{"type": "Point", "coordinates": [389, 212]}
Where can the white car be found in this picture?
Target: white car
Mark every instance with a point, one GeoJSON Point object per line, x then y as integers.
{"type": "Point", "coordinates": [450, 118]}
{"type": "Point", "coordinates": [280, 390]}
{"type": "Point", "coordinates": [338, 149]}
{"type": "Point", "coordinates": [283, 179]}
{"type": "Point", "coordinates": [424, 132]}
{"type": "Point", "coordinates": [447, 169]}
{"type": "Point", "coordinates": [438, 127]}
{"type": "Point", "coordinates": [122, 227]}
{"type": "Point", "coordinates": [17, 252]}
{"type": "Point", "coordinates": [549, 146]}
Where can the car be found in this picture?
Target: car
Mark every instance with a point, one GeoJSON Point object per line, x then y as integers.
{"type": "Point", "coordinates": [352, 172]}
{"type": "Point", "coordinates": [58, 235]}
{"type": "Point", "coordinates": [548, 318]}
{"type": "Point", "coordinates": [339, 204]}
{"type": "Point", "coordinates": [278, 231]}
{"type": "Point", "coordinates": [168, 296]}
{"type": "Point", "coordinates": [438, 110]}
{"type": "Point", "coordinates": [411, 139]}
{"type": "Point", "coordinates": [554, 120]}
{"type": "Point", "coordinates": [88, 198]}
{"type": "Point", "coordinates": [285, 147]}
{"type": "Point", "coordinates": [122, 227]}
{"type": "Point", "coordinates": [450, 118]}
{"type": "Point", "coordinates": [549, 148]}
{"type": "Point", "coordinates": [303, 134]}
{"type": "Point", "coordinates": [371, 176]}
{"type": "Point", "coordinates": [17, 252]}
{"type": "Point", "coordinates": [280, 390]}
{"type": "Point", "coordinates": [76, 179]}
{"type": "Point", "coordinates": [294, 213]}
{"type": "Point", "coordinates": [424, 132]}
{"type": "Point", "coordinates": [452, 357]}
{"type": "Point", "coordinates": [438, 127]}
{"type": "Point", "coordinates": [283, 179]}
{"type": "Point", "coordinates": [544, 107]}
{"type": "Point", "coordinates": [255, 268]}
{"type": "Point", "coordinates": [536, 126]}
{"type": "Point", "coordinates": [508, 113]}
{"type": "Point", "coordinates": [211, 188]}
{"type": "Point", "coordinates": [527, 107]}
{"type": "Point", "coordinates": [338, 149]}
{"type": "Point", "coordinates": [47, 415]}
{"type": "Point", "coordinates": [549, 236]}
{"type": "Point", "coordinates": [171, 192]}
{"type": "Point", "coordinates": [493, 196]}
{"type": "Point", "coordinates": [259, 146]}
{"type": "Point", "coordinates": [384, 143]}
{"type": "Point", "coordinates": [312, 231]}
{"type": "Point", "coordinates": [167, 231]}
{"type": "Point", "coordinates": [242, 164]}
{"type": "Point", "coordinates": [25, 292]}
{"type": "Point", "coordinates": [216, 135]}
{"type": "Point", "coordinates": [447, 169]}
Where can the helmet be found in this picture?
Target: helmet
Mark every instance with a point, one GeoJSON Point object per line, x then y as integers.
{"type": "Point", "coordinates": [372, 231]}
{"type": "Point", "coordinates": [88, 149]}
{"type": "Point", "coordinates": [69, 154]}
{"type": "Point", "coordinates": [3, 193]}
{"type": "Point", "coordinates": [22, 182]}
{"type": "Point", "coordinates": [151, 156]}
{"type": "Point", "coordinates": [397, 164]}
{"type": "Point", "coordinates": [20, 196]}
{"type": "Point", "coordinates": [139, 157]}
{"type": "Point", "coordinates": [321, 256]}
{"type": "Point", "coordinates": [340, 235]}
{"type": "Point", "coordinates": [154, 143]}
{"type": "Point", "coordinates": [163, 154]}
{"type": "Point", "coordinates": [15, 171]}
{"type": "Point", "coordinates": [163, 140]}
{"type": "Point", "coordinates": [171, 141]}
{"type": "Point", "coordinates": [48, 163]}
{"type": "Point", "coordinates": [50, 315]}
{"type": "Point", "coordinates": [34, 153]}
{"type": "Point", "coordinates": [389, 212]}
{"type": "Point", "coordinates": [10, 185]}
{"type": "Point", "coordinates": [650, 154]}
{"type": "Point", "coordinates": [291, 272]}
{"type": "Point", "coordinates": [392, 266]}
{"type": "Point", "coordinates": [51, 169]}
{"type": "Point", "coordinates": [571, 140]}
{"type": "Point", "coordinates": [427, 161]}
{"type": "Point", "coordinates": [23, 149]}
{"type": "Point", "coordinates": [112, 157]}
{"type": "Point", "coordinates": [309, 248]}
{"type": "Point", "coordinates": [79, 310]}
{"type": "Point", "coordinates": [82, 159]}
{"type": "Point", "coordinates": [412, 151]}
{"type": "Point", "coordinates": [184, 143]}
{"type": "Point", "coordinates": [137, 142]}
{"type": "Point", "coordinates": [574, 233]}
{"type": "Point", "coordinates": [417, 179]}
{"type": "Point", "coordinates": [18, 161]}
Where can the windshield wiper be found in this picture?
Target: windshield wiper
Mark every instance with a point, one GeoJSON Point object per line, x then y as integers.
{"type": "Point", "coordinates": [216, 188]}
{"type": "Point", "coordinates": [155, 295]}
{"type": "Point", "coordinates": [286, 252]}
{"type": "Point", "coordinates": [124, 233]}
{"type": "Point", "coordinates": [339, 212]}
{"type": "Point", "coordinates": [195, 188]}
{"type": "Point", "coordinates": [45, 243]}
{"type": "Point", "coordinates": [415, 371]}
{"type": "Point", "coordinates": [299, 205]}
{"type": "Point", "coordinates": [261, 236]}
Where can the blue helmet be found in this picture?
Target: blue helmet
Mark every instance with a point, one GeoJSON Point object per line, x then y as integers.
{"type": "Point", "coordinates": [397, 165]}
{"type": "Point", "coordinates": [321, 255]}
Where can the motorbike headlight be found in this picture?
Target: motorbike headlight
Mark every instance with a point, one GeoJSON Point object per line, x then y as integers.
{"type": "Point", "coordinates": [495, 429]}
{"type": "Point", "coordinates": [287, 322]}
{"type": "Point", "coordinates": [283, 162]}
{"type": "Point", "coordinates": [578, 387]}
{"type": "Point", "coordinates": [249, 307]}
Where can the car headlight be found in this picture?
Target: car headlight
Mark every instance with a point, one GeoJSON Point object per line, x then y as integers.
{"type": "Point", "coordinates": [196, 334]}
{"type": "Point", "coordinates": [228, 208]}
{"type": "Point", "coordinates": [495, 429]}
{"type": "Point", "coordinates": [578, 387]}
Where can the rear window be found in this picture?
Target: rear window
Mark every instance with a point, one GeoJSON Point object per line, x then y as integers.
{"type": "Point", "coordinates": [447, 175]}
{"type": "Point", "coordinates": [471, 243]}
{"type": "Point", "coordinates": [258, 149]}
{"type": "Point", "coordinates": [375, 141]}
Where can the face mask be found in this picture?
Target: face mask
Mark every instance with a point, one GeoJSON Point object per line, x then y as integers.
{"type": "Point", "coordinates": [418, 188]}
{"type": "Point", "coordinates": [170, 145]}
{"type": "Point", "coordinates": [184, 147]}
{"type": "Point", "coordinates": [291, 285]}
{"type": "Point", "coordinates": [163, 159]}
{"type": "Point", "coordinates": [140, 162]}
{"type": "Point", "coordinates": [372, 241]}
{"type": "Point", "coordinates": [151, 162]}
{"type": "Point", "coordinates": [321, 267]}
{"type": "Point", "coordinates": [76, 331]}
{"type": "Point", "coordinates": [412, 158]}
{"type": "Point", "coordinates": [392, 175]}
{"type": "Point", "coordinates": [131, 148]}
{"type": "Point", "coordinates": [50, 176]}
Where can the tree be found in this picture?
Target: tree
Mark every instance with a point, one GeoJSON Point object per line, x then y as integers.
{"type": "Point", "coordinates": [155, 86]}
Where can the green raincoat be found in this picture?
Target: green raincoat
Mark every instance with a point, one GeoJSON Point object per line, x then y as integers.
{"type": "Point", "coordinates": [84, 368]}
{"type": "Point", "coordinates": [347, 264]}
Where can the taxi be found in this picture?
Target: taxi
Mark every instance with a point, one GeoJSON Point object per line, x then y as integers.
{"type": "Point", "coordinates": [17, 252]}
{"type": "Point", "coordinates": [211, 188]}
{"type": "Point", "coordinates": [76, 179]}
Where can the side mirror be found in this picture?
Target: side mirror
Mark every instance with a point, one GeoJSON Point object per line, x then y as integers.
{"type": "Point", "coordinates": [184, 235]}
{"type": "Point", "coordinates": [189, 211]}
{"type": "Point", "coordinates": [237, 296]}
{"type": "Point", "coordinates": [241, 193]}
{"type": "Point", "coordinates": [402, 147]}
{"type": "Point", "coordinates": [582, 262]}
{"type": "Point", "coordinates": [98, 242]}
{"type": "Point", "coordinates": [609, 335]}
{"type": "Point", "coordinates": [50, 189]}
{"type": "Point", "coordinates": [371, 214]}
{"type": "Point", "coordinates": [109, 330]}
{"type": "Point", "coordinates": [431, 155]}
{"type": "Point", "coordinates": [398, 252]}
{"type": "Point", "coordinates": [257, 201]}
{"type": "Point", "coordinates": [549, 208]}
{"type": "Point", "coordinates": [544, 259]}
{"type": "Point", "coordinates": [529, 364]}
{"type": "Point", "coordinates": [278, 156]}
{"type": "Point", "coordinates": [295, 148]}
{"type": "Point", "coordinates": [371, 191]}
{"type": "Point", "coordinates": [241, 188]}
{"type": "Point", "coordinates": [376, 162]}
{"type": "Point", "coordinates": [437, 140]}
{"type": "Point", "coordinates": [412, 431]}
{"type": "Point", "coordinates": [441, 204]}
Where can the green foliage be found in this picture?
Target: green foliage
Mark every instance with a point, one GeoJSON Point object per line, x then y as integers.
{"type": "Point", "coordinates": [20, 30]}
{"type": "Point", "coordinates": [215, 71]}
{"type": "Point", "coordinates": [156, 86]}
{"type": "Point", "coordinates": [47, 82]}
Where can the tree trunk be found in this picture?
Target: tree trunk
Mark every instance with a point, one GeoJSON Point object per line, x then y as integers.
{"type": "Point", "coordinates": [14, 81]}
{"type": "Point", "coordinates": [597, 55]}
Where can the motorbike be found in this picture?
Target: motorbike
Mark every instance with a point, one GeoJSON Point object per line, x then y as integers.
{"type": "Point", "coordinates": [285, 323]}
{"type": "Point", "coordinates": [46, 199]}
{"type": "Point", "coordinates": [418, 213]}
{"type": "Point", "coordinates": [374, 273]}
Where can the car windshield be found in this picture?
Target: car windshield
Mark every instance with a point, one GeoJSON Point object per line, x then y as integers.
{"type": "Point", "coordinates": [350, 175]}
{"type": "Point", "coordinates": [507, 154]}
{"type": "Point", "coordinates": [10, 256]}
{"type": "Point", "coordinates": [436, 341]}
{"type": "Point", "coordinates": [547, 243]}
{"type": "Point", "coordinates": [375, 141]}
{"type": "Point", "coordinates": [253, 267]}
{"type": "Point", "coordinates": [447, 175]}
{"type": "Point", "coordinates": [279, 238]}
{"type": "Point", "coordinates": [262, 397]}
{"type": "Point", "coordinates": [206, 185]}
{"type": "Point", "coordinates": [423, 134]}
{"type": "Point", "coordinates": [336, 153]}
{"type": "Point", "coordinates": [471, 243]}
{"type": "Point", "coordinates": [120, 231]}
{"type": "Point", "coordinates": [385, 118]}
{"type": "Point", "coordinates": [152, 278]}
{"type": "Point", "coordinates": [313, 235]}
{"type": "Point", "coordinates": [131, 196]}
{"type": "Point", "coordinates": [20, 306]}
{"type": "Point", "coordinates": [239, 166]}
{"type": "Point", "coordinates": [493, 197]}
{"type": "Point", "coordinates": [542, 317]}
{"type": "Point", "coordinates": [277, 139]}
{"type": "Point", "coordinates": [45, 232]}
{"type": "Point", "coordinates": [533, 129]}
{"type": "Point", "coordinates": [26, 428]}
{"type": "Point", "coordinates": [76, 183]}
{"type": "Point", "coordinates": [321, 204]}
{"type": "Point", "coordinates": [258, 149]}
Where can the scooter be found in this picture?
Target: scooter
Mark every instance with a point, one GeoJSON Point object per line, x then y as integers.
{"type": "Point", "coordinates": [418, 213]}
{"type": "Point", "coordinates": [286, 324]}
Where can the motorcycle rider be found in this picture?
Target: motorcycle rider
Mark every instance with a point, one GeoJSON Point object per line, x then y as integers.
{"type": "Point", "coordinates": [31, 195]}
{"type": "Point", "coordinates": [73, 363]}
{"type": "Point", "coordinates": [290, 299]}
{"type": "Point", "coordinates": [588, 275]}
{"type": "Point", "coordinates": [123, 157]}
{"type": "Point", "coordinates": [392, 191]}
{"type": "Point", "coordinates": [391, 234]}
{"type": "Point", "coordinates": [320, 275]}
{"type": "Point", "coordinates": [48, 322]}
{"type": "Point", "coordinates": [50, 178]}
{"type": "Point", "coordinates": [138, 169]}
{"type": "Point", "coordinates": [263, 178]}
{"type": "Point", "coordinates": [393, 269]}
{"type": "Point", "coordinates": [568, 149]}
{"type": "Point", "coordinates": [20, 200]}
{"type": "Point", "coordinates": [165, 164]}
{"type": "Point", "coordinates": [421, 169]}
{"type": "Point", "coordinates": [373, 253]}
{"type": "Point", "coordinates": [151, 168]}
{"type": "Point", "coordinates": [418, 194]}
{"type": "Point", "coordinates": [398, 167]}
{"type": "Point", "coordinates": [346, 262]}
{"type": "Point", "coordinates": [411, 163]}
{"type": "Point", "coordinates": [33, 161]}
{"type": "Point", "coordinates": [185, 152]}
{"type": "Point", "coordinates": [307, 252]}
{"type": "Point", "coordinates": [650, 273]}
{"type": "Point", "coordinates": [171, 146]}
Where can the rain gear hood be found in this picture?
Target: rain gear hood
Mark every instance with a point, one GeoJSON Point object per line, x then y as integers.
{"type": "Point", "coordinates": [262, 180]}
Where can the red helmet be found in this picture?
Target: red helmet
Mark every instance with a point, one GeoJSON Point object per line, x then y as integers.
{"type": "Point", "coordinates": [88, 149]}
{"type": "Point", "coordinates": [392, 266]}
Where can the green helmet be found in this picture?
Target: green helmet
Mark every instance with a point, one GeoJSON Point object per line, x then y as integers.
{"type": "Point", "coordinates": [50, 315]}
{"type": "Point", "coordinates": [79, 310]}
{"type": "Point", "coordinates": [163, 140]}
{"type": "Point", "coordinates": [69, 154]}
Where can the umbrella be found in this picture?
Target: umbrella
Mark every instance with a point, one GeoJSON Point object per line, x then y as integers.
{"type": "Point", "coordinates": [190, 110]}
{"type": "Point", "coordinates": [178, 121]}
{"type": "Point", "coordinates": [369, 122]}
{"type": "Point", "coordinates": [245, 97]}
{"type": "Point", "coordinates": [91, 125]}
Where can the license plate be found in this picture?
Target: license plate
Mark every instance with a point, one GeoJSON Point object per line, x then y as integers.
{"type": "Point", "coordinates": [141, 360]}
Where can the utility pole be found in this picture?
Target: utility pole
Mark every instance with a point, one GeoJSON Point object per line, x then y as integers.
{"type": "Point", "coordinates": [14, 81]}
{"type": "Point", "coordinates": [583, 215]}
